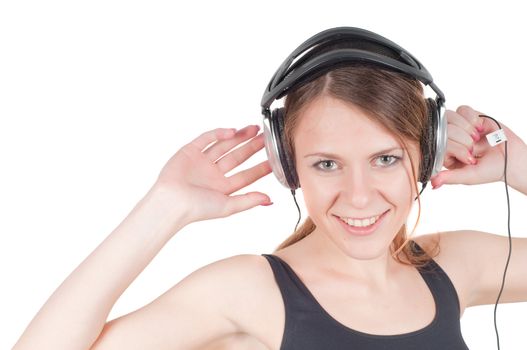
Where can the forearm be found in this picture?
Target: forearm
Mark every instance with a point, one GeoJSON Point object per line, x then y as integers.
{"type": "Point", "coordinates": [75, 314]}
{"type": "Point", "coordinates": [517, 173]}
{"type": "Point", "coordinates": [520, 186]}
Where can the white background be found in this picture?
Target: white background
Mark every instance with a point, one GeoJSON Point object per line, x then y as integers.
{"type": "Point", "coordinates": [96, 96]}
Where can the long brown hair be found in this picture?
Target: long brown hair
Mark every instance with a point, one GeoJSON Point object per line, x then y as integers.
{"type": "Point", "coordinates": [393, 100]}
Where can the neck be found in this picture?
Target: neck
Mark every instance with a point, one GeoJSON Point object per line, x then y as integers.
{"type": "Point", "coordinates": [373, 270]}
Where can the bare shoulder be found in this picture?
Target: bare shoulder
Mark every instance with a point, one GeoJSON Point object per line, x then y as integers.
{"type": "Point", "coordinates": [461, 254]}
{"type": "Point", "coordinates": [455, 248]}
{"type": "Point", "coordinates": [244, 273]}
{"type": "Point", "coordinates": [475, 262]}
{"type": "Point", "coordinates": [212, 306]}
{"type": "Point", "coordinates": [249, 295]}
{"type": "Point", "coordinates": [235, 268]}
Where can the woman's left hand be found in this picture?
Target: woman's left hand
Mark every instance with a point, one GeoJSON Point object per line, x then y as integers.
{"type": "Point", "coordinates": [469, 158]}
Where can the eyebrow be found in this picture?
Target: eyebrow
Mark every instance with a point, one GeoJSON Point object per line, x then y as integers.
{"type": "Point", "coordinates": [334, 156]}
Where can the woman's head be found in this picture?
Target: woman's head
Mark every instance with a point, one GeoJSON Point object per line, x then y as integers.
{"type": "Point", "coordinates": [392, 100]}
{"type": "Point", "coordinates": [353, 113]}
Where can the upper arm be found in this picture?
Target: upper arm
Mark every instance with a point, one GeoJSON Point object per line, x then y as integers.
{"type": "Point", "coordinates": [189, 315]}
{"type": "Point", "coordinates": [489, 254]}
{"type": "Point", "coordinates": [475, 261]}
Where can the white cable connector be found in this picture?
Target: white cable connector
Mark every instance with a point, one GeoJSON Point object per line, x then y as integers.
{"type": "Point", "coordinates": [496, 137]}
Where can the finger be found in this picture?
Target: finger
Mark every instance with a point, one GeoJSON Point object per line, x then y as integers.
{"type": "Point", "coordinates": [458, 151]}
{"type": "Point", "coordinates": [483, 124]}
{"type": "Point", "coordinates": [210, 136]}
{"type": "Point", "coordinates": [487, 125]}
{"type": "Point", "coordinates": [462, 123]}
{"type": "Point", "coordinates": [248, 176]}
{"type": "Point", "coordinates": [240, 155]}
{"type": "Point", "coordinates": [218, 149]}
{"type": "Point", "coordinates": [465, 175]}
{"type": "Point", "coordinates": [481, 147]}
{"type": "Point", "coordinates": [455, 133]}
{"type": "Point", "coordinates": [246, 201]}
{"type": "Point", "coordinates": [471, 115]}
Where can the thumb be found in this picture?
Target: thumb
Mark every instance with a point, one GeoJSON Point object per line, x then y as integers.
{"type": "Point", "coordinates": [464, 175]}
{"type": "Point", "coordinates": [245, 201]}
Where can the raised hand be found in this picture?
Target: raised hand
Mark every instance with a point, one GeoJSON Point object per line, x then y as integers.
{"type": "Point", "coordinates": [195, 175]}
{"type": "Point", "coordinates": [470, 159]}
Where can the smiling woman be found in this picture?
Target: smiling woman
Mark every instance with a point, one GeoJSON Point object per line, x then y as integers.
{"type": "Point", "coordinates": [358, 135]}
{"type": "Point", "coordinates": [359, 111]}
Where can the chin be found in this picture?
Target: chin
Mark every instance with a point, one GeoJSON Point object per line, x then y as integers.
{"type": "Point", "coordinates": [367, 247]}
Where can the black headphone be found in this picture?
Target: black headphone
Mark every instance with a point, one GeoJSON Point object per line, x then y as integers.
{"type": "Point", "coordinates": [335, 48]}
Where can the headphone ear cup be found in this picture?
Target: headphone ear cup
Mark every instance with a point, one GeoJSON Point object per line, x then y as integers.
{"type": "Point", "coordinates": [428, 142]}
{"type": "Point", "coordinates": [284, 153]}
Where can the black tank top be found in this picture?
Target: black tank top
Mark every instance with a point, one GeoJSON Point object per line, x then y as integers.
{"type": "Point", "coordinates": [309, 327]}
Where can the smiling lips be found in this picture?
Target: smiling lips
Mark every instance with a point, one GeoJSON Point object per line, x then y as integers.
{"type": "Point", "coordinates": [360, 222]}
{"type": "Point", "coordinates": [362, 227]}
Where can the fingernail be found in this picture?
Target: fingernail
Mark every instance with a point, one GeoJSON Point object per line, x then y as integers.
{"type": "Point", "coordinates": [472, 160]}
{"type": "Point", "coordinates": [479, 128]}
{"type": "Point", "coordinates": [475, 136]}
{"type": "Point", "coordinates": [266, 204]}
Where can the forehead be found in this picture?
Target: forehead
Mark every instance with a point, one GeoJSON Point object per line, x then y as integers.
{"type": "Point", "coordinates": [328, 123]}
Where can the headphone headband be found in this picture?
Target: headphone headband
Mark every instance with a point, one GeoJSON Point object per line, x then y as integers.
{"type": "Point", "coordinates": [367, 47]}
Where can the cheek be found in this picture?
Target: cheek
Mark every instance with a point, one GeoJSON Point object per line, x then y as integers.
{"type": "Point", "coordinates": [401, 189]}
{"type": "Point", "coordinates": [319, 194]}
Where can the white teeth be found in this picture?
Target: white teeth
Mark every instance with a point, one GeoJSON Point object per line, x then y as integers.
{"type": "Point", "coordinates": [361, 223]}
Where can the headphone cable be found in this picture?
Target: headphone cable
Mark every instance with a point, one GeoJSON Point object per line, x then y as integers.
{"type": "Point", "coordinates": [299, 214]}
{"type": "Point", "coordinates": [509, 233]}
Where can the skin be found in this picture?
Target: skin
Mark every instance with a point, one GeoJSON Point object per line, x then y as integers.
{"type": "Point", "coordinates": [217, 301]}
{"type": "Point", "coordinates": [356, 182]}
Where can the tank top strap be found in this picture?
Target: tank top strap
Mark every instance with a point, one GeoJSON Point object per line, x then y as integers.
{"type": "Point", "coordinates": [296, 296]}
{"type": "Point", "coordinates": [441, 287]}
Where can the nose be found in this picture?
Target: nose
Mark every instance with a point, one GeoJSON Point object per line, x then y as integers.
{"type": "Point", "coordinates": [357, 187]}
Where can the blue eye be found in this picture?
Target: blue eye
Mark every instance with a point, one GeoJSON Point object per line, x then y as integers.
{"type": "Point", "coordinates": [388, 160]}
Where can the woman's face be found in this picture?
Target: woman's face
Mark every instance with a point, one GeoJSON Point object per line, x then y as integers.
{"type": "Point", "coordinates": [350, 168]}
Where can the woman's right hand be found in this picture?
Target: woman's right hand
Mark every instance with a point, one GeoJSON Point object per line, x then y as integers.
{"type": "Point", "coordinates": [195, 175]}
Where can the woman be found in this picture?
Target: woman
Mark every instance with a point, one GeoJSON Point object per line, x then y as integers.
{"type": "Point", "coordinates": [343, 280]}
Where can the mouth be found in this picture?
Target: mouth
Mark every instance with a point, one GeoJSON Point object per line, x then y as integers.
{"type": "Point", "coordinates": [362, 229]}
